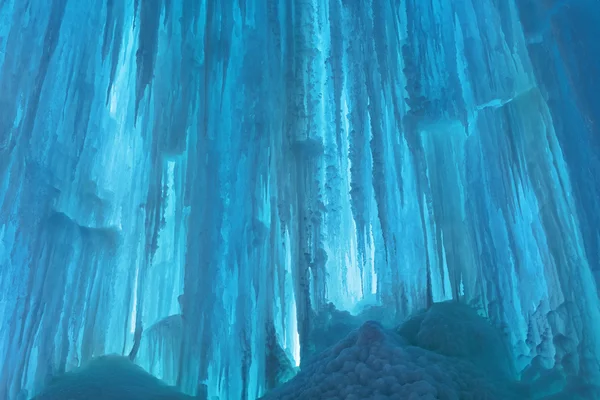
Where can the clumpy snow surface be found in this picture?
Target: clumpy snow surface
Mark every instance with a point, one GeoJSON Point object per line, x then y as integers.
{"type": "Point", "coordinates": [446, 353]}
{"type": "Point", "coordinates": [456, 330]}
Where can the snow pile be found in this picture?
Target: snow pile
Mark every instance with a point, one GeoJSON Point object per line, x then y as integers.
{"type": "Point", "coordinates": [456, 330]}
{"type": "Point", "coordinates": [110, 378]}
{"type": "Point", "coordinates": [330, 325]}
{"type": "Point", "coordinates": [373, 363]}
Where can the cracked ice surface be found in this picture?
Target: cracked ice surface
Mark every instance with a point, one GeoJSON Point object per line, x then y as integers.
{"type": "Point", "coordinates": [192, 182]}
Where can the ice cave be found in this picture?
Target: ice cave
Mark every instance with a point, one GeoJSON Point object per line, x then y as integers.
{"type": "Point", "coordinates": [299, 200]}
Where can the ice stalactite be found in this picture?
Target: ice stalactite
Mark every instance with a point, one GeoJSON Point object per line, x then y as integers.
{"type": "Point", "coordinates": [195, 184]}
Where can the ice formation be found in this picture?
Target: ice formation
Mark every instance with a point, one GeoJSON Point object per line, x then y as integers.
{"type": "Point", "coordinates": [371, 363]}
{"type": "Point", "coordinates": [110, 377]}
{"type": "Point", "coordinates": [447, 352]}
{"type": "Point", "coordinates": [212, 188]}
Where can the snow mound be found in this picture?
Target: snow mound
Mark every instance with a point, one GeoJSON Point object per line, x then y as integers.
{"type": "Point", "coordinates": [376, 364]}
{"type": "Point", "coordinates": [109, 378]}
{"type": "Point", "coordinates": [456, 330]}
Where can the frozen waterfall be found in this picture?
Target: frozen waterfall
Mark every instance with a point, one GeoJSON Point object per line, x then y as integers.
{"type": "Point", "coordinates": [220, 190]}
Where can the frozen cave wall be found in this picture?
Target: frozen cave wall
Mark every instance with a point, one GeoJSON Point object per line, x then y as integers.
{"type": "Point", "coordinates": [188, 182]}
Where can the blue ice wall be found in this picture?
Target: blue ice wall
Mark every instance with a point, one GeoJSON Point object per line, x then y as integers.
{"type": "Point", "coordinates": [562, 49]}
{"type": "Point", "coordinates": [188, 182]}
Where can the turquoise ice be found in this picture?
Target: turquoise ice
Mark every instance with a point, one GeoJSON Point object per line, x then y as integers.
{"type": "Point", "coordinates": [219, 190]}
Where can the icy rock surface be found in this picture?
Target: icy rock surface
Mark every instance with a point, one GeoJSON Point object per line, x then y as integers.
{"type": "Point", "coordinates": [372, 363]}
{"type": "Point", "coordinates": [109, 378]}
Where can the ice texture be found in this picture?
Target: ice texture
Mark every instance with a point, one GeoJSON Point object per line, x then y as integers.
{"type": "Point", "coordinates": [193, 184]}
{"type": "Point", "coordinates": [373, 363]}
{"type": "Point", "coordinates": [456, 330]}
{"type": "Point", "coordinates": [107, 378]}
{"type": "Point", "coordinates": [445, 352]}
